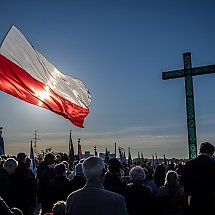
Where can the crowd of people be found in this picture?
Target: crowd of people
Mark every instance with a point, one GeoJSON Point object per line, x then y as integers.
{"type": "Point", "coordinates": [90, 186]}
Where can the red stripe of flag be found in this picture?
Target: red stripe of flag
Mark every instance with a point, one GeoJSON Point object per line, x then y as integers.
{"type": "Point", "coordinates": [19, 83]}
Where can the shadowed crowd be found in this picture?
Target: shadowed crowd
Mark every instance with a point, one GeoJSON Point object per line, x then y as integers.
{"type": "Point", "coordinates": [91, 186]}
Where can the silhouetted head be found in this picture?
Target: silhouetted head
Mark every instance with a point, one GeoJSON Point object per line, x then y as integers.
{"type": "Point", "coordinates": [137, 175]}
{"type": "Point", "coordinates": [59, 208]}
{"type": "Point", "coordinates": [94, 168]}
{"type": "Point", "coordinates": [28, 162]}
{"type": "Point", "coordinates": [114, 165]}
{"type": "Point", "coordinates": [10, 165]}
{"type": "Point", "coordinates": [171, 178]}
{"type": "Point", "coordinates": [21, 156]}
{"type": "Point", "coordinates": [60, 169]}
{"type": "Point", "coordinates": [16, 211]}
{"type": "Point", "coordinates": [206, 148]}
{"type": "Point", "coordinates": [49, 156]}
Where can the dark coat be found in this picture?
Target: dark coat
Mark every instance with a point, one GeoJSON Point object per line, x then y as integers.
{"type": "Point", "coordinates": [171, 200]}
{"type": "Point", "coordinates": [58, 189]}
{"type": "Point", "coordinates": [41, 168]}
{"type": "Point", "coordinates": [5, 186]}
{"type": "Point", "coordinates": [77, 182]}
{"type": "Point", "coordinates": [46, 176]}
{"type": "Point", "coordinates": [114, 183]}
{"type": "Point", "coordinates": [199, 183]}
{"type": "Point", "coordinates": [138, 199]}
{"type": "Point", "coordinates": [160, 174]}
{"type": "Point", "coordinates": [23, 190]}
{"type": "Point", "coordinates": [94, 199]}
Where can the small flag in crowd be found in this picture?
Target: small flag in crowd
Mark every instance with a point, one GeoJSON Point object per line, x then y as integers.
{"type": "Point", "coordinates": [129, 158]}
{"type": "Point", "coordinates": [33, 163]}
{"type": "Point", "coordinates": [164, 159]}
{"type": "Point", "coordinates": [95, 152]}
{"type": "Point", "coordinates": [122, 157]}
{"type": "Point", "coordinates": [142, 159]}
{"type": "Point", "coordinates": [120, 154]}
{"type": "Point", "coordinates": [71, 148]}
{"type": "Point", "coordinates": [156, 157]}
{"type": "Point", "coordinates": [139, 160]}
{"type": "Point", "coordinates": [29, 76]}
{"type": "Point", "coordinates": [80, 156]}
{"type": "Point", "coordinates": [106, 156]}
{"type": "Point", "coordinates": [153, 162]}
{"type": "Point", "coordinates": [2, 152]}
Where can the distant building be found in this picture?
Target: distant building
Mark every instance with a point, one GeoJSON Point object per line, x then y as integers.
{"type": "Point", "coordinates": [87, 154]}
{"type": "Point", "coordinates": [102, 155]}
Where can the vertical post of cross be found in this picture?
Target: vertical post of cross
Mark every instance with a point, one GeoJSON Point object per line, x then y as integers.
{"type": "Point", "coordinates": [191, 125]}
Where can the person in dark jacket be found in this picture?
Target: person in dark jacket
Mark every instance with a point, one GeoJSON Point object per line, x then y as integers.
{"type": "Point", "coordinates": [138, 196]}
{"type": "Point", "coordinates": [171, 197]}
{"type": "Point", "coordinates": [59, 187]}
{"type": "Point", "coordinates": [159, 176]}
{"type": "Point", "coordinates": [8, 168]}
{"type": "Point", "coordinates": [23, 192]}
{"type": "Point", "coordinates": [113, 181]}
{"type": "Point", "coordinates": [46, 176]}
{"type": "Point", "coordinates": [149, 180]}
{"type": "Point", "coordinates": [78, 181]}
{"type": "Point", "coordinates": [44, 164]}
{"type": "Point", "coordinates": [199, 181]}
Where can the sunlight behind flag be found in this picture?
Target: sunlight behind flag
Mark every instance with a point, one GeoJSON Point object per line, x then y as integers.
{"type": "Point", "coordinates": [28, 75]}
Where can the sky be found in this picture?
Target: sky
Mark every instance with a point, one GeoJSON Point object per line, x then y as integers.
{"type": "Point", "coordinates": [119, 49]}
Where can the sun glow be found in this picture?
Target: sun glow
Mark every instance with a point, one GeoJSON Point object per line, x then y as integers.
{"type": "Point", "coordinates": [43, 95]}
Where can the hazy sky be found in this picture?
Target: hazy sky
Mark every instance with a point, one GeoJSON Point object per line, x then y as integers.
{"type": "Point", "coordinates": [118, 48]}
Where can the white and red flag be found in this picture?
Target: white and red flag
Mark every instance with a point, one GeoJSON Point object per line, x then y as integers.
{"type": "Point", "coordinates": [28, 75]}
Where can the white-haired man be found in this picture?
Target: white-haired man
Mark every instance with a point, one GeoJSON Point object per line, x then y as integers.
{"type": "Point", "coordinates": [93, 198]}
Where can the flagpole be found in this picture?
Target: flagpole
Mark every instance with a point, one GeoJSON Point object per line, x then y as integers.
{"type": "Point", "coordinates": [139, 161]}
{"type": "Point", "coordinates": [32, 158]}
{"type": "Point", "coordinates": [95, 151]}
{"type": "Point", "coordinates": [142, 160]}
{"type": "Point", "coordinates": [129, 158]}
{"type": "Point", "coordinates": [115, 149]}
{"type": "Point", "coordinates": [164, 158]}
{"type": "Point", "coordinates": [70, 137]}
{"type": "Point", "coordinates": [153, 160]}
{"type": "Point", "coordinates": [106, 160]}
{"type": "Point", "coordinates": [78, 146]}
{"type": "Point", "coordinates": [71, 148]}
{"type": "Point", "coordinates": [2, 149]}
{"type": "Point", "coordinates": [35, 141]}
{"type": "Point", "coordinates": [156, 159]}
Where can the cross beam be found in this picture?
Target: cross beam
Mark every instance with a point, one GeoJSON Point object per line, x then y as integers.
{"type": "Point", "coordinates": [188, 72]}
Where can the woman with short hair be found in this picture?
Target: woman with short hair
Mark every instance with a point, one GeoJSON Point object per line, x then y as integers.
{"type": "Point", "coordinates": [138, 196]}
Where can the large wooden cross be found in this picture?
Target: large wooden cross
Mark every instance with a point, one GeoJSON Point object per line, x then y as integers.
{"type": "Point", "coordinates": [188, 72]}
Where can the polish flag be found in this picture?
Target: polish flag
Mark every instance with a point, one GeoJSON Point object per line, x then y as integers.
{"type": "Point", "coordinates": [28, 75]}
